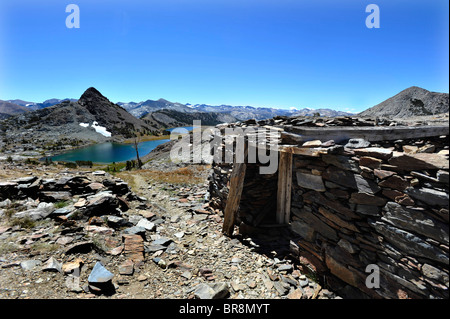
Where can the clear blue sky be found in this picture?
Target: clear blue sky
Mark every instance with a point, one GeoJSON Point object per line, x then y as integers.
{"type": "Point", "coordinates": [283, 53]}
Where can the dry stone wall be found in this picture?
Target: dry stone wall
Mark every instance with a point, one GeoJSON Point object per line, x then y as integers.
{"type": "Point", "coordinates": [362, 205]}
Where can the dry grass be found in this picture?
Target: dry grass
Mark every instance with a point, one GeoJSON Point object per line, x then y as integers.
{"type": "Point", "coordinates": [185, 175]}
{"type": "Point", "coordinates": [146, 138]}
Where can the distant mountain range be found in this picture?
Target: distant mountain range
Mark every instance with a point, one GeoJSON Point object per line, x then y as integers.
{"type": "Point", "coordinates": [169, 118]}
{"type": "Point", "coordinates": [142, 109]}
{"type": "Point", "coordinates": [36, 106]}
{"type": "Point", "coordinates": [240, 113]}
{"type": "Point", "coordinates": [413, 101]}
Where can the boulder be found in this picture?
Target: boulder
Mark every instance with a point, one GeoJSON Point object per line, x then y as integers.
{"type": "Point", "coordinates": [42, 211]}
{"type": "Point", "coordinates": [103, 203]}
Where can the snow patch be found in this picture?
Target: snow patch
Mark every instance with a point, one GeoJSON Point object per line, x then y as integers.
{"type": "Point", "coordinates": [99, 129]}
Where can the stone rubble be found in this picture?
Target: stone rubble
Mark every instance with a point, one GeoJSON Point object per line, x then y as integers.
{"type": "Point", "coordinates": [108, 242]}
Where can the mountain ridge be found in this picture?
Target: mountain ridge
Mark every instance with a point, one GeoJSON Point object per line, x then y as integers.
{"type": "Point", "coordinates": [413, 101]}
{"type": "Point", "coordinates": [85, 119]}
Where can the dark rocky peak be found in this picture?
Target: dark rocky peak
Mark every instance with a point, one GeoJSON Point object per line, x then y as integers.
{"type": "Point", "coordinates": [92, 95]}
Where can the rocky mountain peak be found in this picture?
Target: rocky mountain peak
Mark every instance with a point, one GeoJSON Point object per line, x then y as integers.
{"type": "Point", "coordinates": [413, 101]}
{"type": "Point", "coordinates": [92, 95]}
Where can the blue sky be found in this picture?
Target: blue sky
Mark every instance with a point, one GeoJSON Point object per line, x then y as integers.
{"type": "Point", "coordinates": [284, 53]}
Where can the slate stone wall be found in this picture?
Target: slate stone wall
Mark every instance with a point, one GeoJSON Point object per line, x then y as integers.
{"type": "Point", "coordinates": [382, 206]}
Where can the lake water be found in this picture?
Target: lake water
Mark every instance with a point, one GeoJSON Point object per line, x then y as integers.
{"type": "Point", "coordinates": [108, 152]}
{"type": "Point", "coordinates": [181, 129]}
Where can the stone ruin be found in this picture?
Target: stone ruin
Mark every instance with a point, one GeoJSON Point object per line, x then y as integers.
{"type": "Point", "coordinates": [362, 199]}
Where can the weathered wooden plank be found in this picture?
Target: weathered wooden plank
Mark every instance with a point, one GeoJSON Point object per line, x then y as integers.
{"type": "Point", "coordinates": [370, 133]}
{"type": "Point", "coordinates": [284, 188]}
{"type": "Point", "coordinates": [305, 151]}
{"type": "Point", "coordinates": [234, 195]}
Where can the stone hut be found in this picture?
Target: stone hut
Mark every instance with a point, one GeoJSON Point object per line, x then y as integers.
{"type": "Point", "coordinates": [367, 199]}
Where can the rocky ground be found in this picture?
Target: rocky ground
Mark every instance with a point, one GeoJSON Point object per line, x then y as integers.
{"type": "Point", "coordinates": [139, 234]}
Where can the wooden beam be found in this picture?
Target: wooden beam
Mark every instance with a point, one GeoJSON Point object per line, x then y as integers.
{"type": "Point", "coordinates": [305, 151]}
{"type": "Point", "coordinates": [298, 135]}
{"type": "Point", "coordinates": [284, 188]}
{"type": "Point", "coordinates": [234, 195]}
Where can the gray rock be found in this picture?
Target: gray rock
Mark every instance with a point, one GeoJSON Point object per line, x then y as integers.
{"type": "Point", "coordinates": [54, 196]}
{"type": "Point", "coordinates": [310, 181]}
{"type": "Point", "coordinates": [62, 211]}
{"type": "Point", "coordinates": [42, 211]}
{"type": "Point", "coordinates": [366, 185]}
{"type": "Point", "coordinates": [145, 223]}
{"type": "Point", "coordinates": [429, 196]}
{"type": "Point", "coordinates": [409, 243]}
{"type": "Point", "coordinates": [317, 225]}
{"type": "Point", "coordinates": [25, 180]}
{"type": "Point", "coordinates": [100, 274]}
{"type": "Point", "coordinates": [303, 281]}
{"type": "Point", "coordinates": [52, 265]}
{"type": "Point", "coordinates": [285, 267]}
{"type": "Point", "coordinates": [187, 274]}
{"type": "Point", "coordinates": [172, 248]}
{"type": "Point", "coordinates": [211, 291]}
{"type": "Point", "coordinates": [442, 177]}
{"type": "Point", "coordinates": [162, 241]}
{"type": "Point", "coordinates": [368, 210]}
{"type": "Point", "coordinates": [116, 222]}
{"type": "Point", "coordinates": [416, 220]}
{"type": "Point", "coordinates": [153, 248]}
{"type": "Point", "coordinates": [340, 177]}
{"type": "Point", "coordinates": [346, 245]}
{"type": "Point", "coordinates": [357, 143]}
{"type": "Point", "coordinates": [135, 230]}
{"type": "Point", "coordinates": [281, 287]}
{"type": "Point", "coordinates": [435, 274]}
{"type": "Point", "coordinates": [102, 203]}
{"type": "Point", "coordinates": [341, 161]}
{"type": "Point", "coordinates": [134, 219]}
{"type": "Point", "coordinates": [30, 264]}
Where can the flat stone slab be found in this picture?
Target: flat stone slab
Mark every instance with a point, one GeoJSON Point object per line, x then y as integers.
{"type": "Point", "coordinates": [100, 274]}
